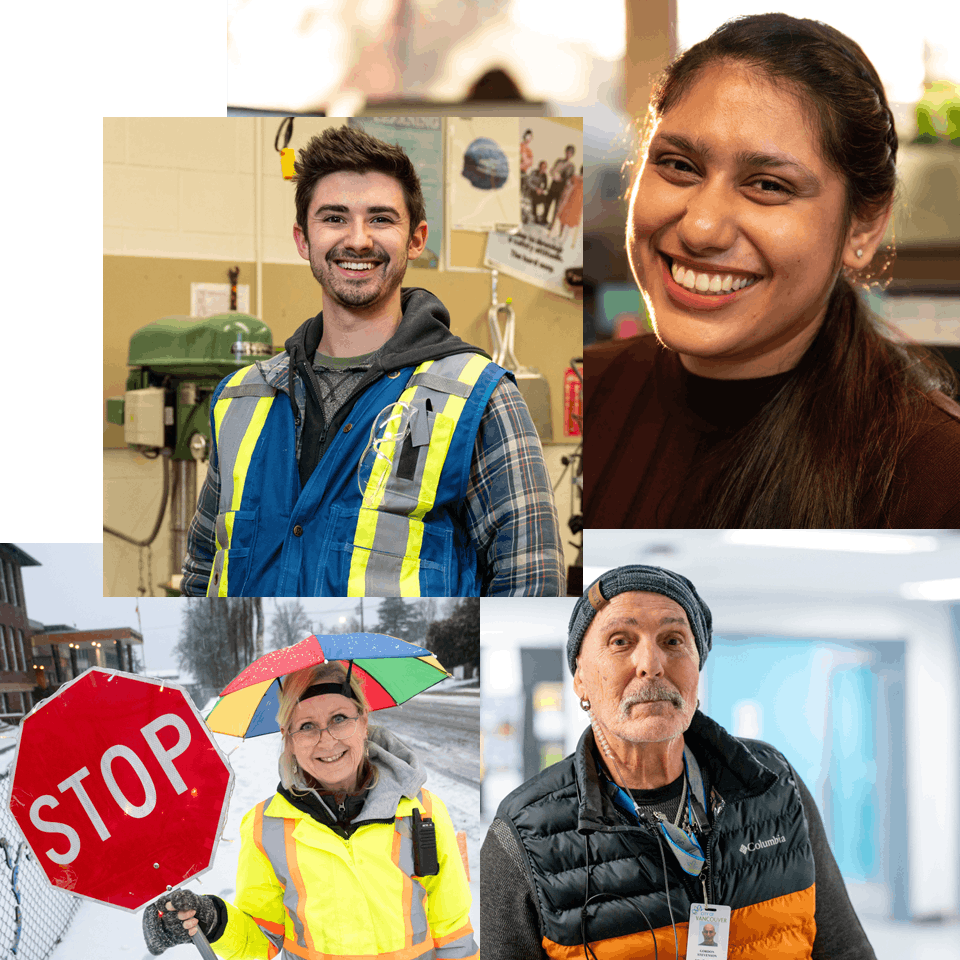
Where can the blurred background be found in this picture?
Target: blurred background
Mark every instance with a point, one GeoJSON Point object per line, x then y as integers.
{"type": "Point", "coordinates": [344, 59]}
{"type": "Point", "coordinates": [840, 648]}
{"type": "Point", "coordinates": [917, 54]}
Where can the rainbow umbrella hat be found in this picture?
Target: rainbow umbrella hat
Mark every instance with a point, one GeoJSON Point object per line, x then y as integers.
{"type": "Point", "coordinates": [390, 671]}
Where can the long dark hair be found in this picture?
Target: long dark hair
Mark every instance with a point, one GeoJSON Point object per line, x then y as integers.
{"type": "Point", "coordinates": [823, 451]}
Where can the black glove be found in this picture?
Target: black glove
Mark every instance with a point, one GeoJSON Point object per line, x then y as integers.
{"type": "Point", "coordinates": [162, 928]}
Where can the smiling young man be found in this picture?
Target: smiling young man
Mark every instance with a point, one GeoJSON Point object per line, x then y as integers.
{"type": "Point", "coordinates": [379, 455]}
{"type": "Point", "coordinates": [659, 809]}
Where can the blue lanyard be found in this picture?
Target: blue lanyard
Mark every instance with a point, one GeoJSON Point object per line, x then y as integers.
{"type": "Point", "coordinates": [685, 846]}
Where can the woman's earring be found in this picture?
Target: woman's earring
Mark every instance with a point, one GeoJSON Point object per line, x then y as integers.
{"type": "Point", "coordinates": [859, 254]}
{"type": "Point", "coordinates": [585, 704]}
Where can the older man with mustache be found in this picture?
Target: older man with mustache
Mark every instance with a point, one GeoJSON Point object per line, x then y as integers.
{"type": "Point", "coordinates": [661, 819]}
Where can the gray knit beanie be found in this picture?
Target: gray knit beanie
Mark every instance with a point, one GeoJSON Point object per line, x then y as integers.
{"type": "Point", "coordinates": [637, 576]}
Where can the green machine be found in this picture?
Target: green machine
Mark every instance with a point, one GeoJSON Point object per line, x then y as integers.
{"type": "Point", "coordinates": [175, 365]}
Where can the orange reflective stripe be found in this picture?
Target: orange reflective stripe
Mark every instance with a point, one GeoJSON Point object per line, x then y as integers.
{"type": "Point", "coordinates": [293, 865]}
{"type": "Point", "coordinates": [423, 951]}
{"type": "Point", "coordinates": [462, 846]}
{"type": "Point", "coordinates": [277, 929]}
{"type": "Point", "coordinates": [258, 827]}
{"type": "Point", "coordinates": [456, 935]}
{"type": "Point", "coordinates": [407, 894]}
{"type": "Point", "coordinates": [426, 798]}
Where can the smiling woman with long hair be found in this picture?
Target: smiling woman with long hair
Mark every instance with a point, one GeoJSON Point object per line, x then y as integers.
{"type": "Point", "coordinates": [769, 395]}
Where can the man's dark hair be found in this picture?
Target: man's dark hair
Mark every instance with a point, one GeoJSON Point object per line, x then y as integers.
{"type": "Point", "coordinates": [525, 132]}
{"type": "Point", "coordinates": [570, 146]}
{"type": "Point", "coordinates": [349, 149]}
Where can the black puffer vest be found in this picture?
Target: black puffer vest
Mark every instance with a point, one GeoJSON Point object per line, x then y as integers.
{"type": "Point", "coordinates": [758, 853]}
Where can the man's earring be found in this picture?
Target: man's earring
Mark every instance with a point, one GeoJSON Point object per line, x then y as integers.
{"type": "Point", "coordinates": [585, 704]}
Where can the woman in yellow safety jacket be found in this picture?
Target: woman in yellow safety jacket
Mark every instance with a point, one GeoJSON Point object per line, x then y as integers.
{"type": "Point", "coordinates": [351, 857]}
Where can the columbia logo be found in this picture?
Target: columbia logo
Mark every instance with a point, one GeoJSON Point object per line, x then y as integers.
{"type": "Point", "coordinates": [750, 847]}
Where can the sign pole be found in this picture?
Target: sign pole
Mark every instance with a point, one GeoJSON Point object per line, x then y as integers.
{"type": "Point", "coordinates": [206, 951]}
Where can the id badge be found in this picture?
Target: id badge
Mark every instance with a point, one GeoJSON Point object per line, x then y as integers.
{"type": "Point", "coordinates": [709, 932]}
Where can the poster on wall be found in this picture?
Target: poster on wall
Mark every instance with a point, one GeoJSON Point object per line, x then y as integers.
{"type": "Point", "coordinates": [422, 140]}
{"type": "Point", "coordinates": [550, 239]}
{"type": "Point", "coordinates": [483, 172]}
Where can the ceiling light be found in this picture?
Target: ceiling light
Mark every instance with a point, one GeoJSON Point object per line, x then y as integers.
{"type": "Point", "coordinates": [841, 540]}
{"type": "Point", "coordinates": [932, 590]}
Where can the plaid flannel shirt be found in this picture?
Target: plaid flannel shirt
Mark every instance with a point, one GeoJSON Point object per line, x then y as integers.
{"type": "Point", "coordinates": [508, 512]}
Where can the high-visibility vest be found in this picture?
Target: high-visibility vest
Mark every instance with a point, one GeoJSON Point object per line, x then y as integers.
{"type": "Point", "coordinates": [379, 514]}
{"type": "Point", "coordinates": [311, 893]}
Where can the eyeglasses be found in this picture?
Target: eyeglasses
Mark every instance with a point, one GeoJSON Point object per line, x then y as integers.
{"type": "Point", "coordinates": [340, 728]}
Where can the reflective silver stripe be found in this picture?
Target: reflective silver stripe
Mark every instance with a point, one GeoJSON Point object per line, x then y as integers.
{"type": "Point", "coordinates": [232, 430]}
{"type": "Point", "coordinates": [464, 946]}
{"type": "Point", "coordinates": [440, 384]}
{"type": "Point", "coordinates": [274, 844]}
{"type": "Point", "coordinates": [419, 928]}
{"type": "Point", "coordinates": [222, 541]}
{"type": "Point", "coordinates": [385, 561]}
{"type": "Point", "coordinates": [247, 390]}
{"type": "Point", "coordinates": [275, 938]}
{"type": "Point", "coordinates": [405, 861]}
{"type": "Point", "coordinates": [216, 574]}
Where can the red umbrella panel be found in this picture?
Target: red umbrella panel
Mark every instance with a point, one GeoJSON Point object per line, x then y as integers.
{"type": "Point", "coordinates": [390, 672]}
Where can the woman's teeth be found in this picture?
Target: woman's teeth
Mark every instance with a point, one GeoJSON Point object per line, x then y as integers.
{"type": "Point", "coordinates": [708, 282]}
{"type": "Point", "coordinates": [331, 759]}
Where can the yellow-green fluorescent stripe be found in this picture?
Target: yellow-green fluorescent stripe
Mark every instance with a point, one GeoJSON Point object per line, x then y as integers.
{"type": "Point", "coordinates": [241, 464]}
{"type": "Point", "coordinates": [245, 452]}
{"type": "Point", "coordinates": [440, 440]}
{"type": "Point", "coordinates": [373, 495]}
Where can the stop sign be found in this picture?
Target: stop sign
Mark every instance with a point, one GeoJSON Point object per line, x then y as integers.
{"type": "Point", "coordinates": [119, 788]}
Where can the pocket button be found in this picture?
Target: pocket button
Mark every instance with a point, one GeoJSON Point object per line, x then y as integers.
{"type": "Point", "coordinates": [298, 531]}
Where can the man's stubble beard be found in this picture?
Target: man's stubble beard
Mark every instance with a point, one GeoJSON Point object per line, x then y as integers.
{"type": "Point", "coordinates": [343, 292]}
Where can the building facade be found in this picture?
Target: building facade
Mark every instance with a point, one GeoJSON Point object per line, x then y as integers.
{"type": "Point", "coordinates": [17, 679]}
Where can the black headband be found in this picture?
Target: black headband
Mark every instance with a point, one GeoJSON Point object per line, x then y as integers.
{"type": "Point", "coordinates": [344, 689]}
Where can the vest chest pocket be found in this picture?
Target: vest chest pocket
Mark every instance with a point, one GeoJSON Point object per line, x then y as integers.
{"type": "Point", "coordinates": [236, 540]}
{"type": "Point", "coordinates": [404, 558]}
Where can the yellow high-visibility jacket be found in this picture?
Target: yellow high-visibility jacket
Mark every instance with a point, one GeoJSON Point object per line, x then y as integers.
{"type": "Point", "coordinates": [305, 891]}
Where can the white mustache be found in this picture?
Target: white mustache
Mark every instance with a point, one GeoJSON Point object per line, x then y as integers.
{"type": "Point", "coordinates": [650, 694]}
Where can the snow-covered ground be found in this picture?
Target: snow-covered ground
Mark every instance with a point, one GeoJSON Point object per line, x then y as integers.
{"type": "Point", "coordinates": [103, 933]}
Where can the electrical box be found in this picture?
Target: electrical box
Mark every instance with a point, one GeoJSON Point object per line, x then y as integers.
{"type": "Point", "coordinates": [143, 421]}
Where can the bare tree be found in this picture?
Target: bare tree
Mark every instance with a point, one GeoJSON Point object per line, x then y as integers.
{"type": "Point", "coordinates": [290, 624]}
{"type": "Point", "coordinates": [218, 638]}
{"type": "Point", "coordinates": [258, 612]}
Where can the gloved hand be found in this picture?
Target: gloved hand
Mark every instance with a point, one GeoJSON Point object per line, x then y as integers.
{"type": "Point", "coordinates": [161, 926]}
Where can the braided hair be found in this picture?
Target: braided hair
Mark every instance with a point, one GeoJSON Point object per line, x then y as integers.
{"type": "Point", "coordinates": [783, 468]}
